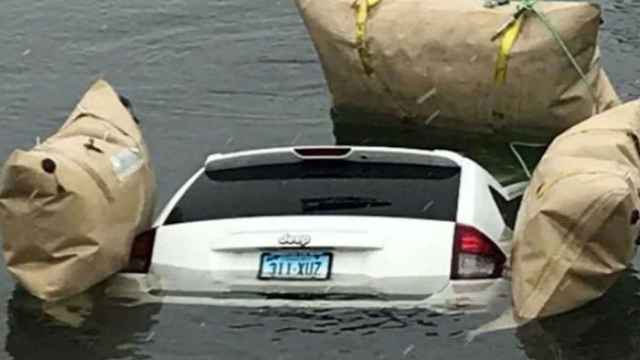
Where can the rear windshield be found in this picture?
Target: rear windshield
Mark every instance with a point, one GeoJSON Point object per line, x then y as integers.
{"type": "Point", "coordinates": [322, 188]}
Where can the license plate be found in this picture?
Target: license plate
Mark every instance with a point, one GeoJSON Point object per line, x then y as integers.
{"type": "Point", "coordinates": [295, 265]}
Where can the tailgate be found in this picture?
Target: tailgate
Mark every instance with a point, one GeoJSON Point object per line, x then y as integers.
{"type": "Point", "coordinates": [340, 255]}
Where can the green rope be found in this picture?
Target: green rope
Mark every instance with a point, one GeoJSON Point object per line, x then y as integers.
{"type": "Point", "coordinates": [529, 5]}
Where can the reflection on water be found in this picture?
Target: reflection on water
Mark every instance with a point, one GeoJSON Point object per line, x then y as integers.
{"type": "Point", "coordinates": [111, 331]}
{"type": "Point", "coordinates": [492, 152]}
{"type": "Point", "coordinates": [107, 332]}
{"type": "Point", "coordinates": [609, 328]}
{"type": "Point", "coordinates": [287, 333]}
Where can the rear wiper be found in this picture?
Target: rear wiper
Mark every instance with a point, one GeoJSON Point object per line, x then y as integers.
{"type": "Point", "coordinates": [341, 203]}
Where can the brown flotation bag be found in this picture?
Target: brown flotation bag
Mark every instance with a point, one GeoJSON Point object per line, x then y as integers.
{"type": "Point", "coordinates": [577, 227]}
{"type": "Point", "coordinates": [71, 206]}
{"type": "Point", "coordinates": [447, 64]}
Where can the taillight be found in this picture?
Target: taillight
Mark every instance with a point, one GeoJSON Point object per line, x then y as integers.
{"type": "Point", "coordinates": [475, 256]}
{"type": "Point", "coordinates": [141, 252]}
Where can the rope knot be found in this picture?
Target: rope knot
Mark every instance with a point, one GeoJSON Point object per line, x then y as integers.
{"type": "Point", "coordinates": [526, 5]}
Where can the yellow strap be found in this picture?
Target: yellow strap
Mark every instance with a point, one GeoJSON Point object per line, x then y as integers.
{"type": "Point", "coordinates": [362, 15]}
{"type": "Point", "coordinates": [508, 40]}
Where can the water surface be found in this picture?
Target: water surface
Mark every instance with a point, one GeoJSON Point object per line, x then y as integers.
{"type": "Point", "coordinates": [209, 76]}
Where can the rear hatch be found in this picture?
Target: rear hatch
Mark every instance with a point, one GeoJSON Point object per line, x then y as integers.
{"type": "Point", "coordinates": [312, 222]}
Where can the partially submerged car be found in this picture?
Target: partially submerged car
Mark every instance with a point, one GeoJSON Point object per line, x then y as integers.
{"type": "Point", "coordinates": [329, 226]}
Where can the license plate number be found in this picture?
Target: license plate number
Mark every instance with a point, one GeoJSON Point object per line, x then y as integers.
{"type": "Point", "coordinates": [298, 265]}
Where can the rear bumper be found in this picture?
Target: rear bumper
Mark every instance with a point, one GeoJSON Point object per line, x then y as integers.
{"type": "Point", "coordinates": [457, 296]}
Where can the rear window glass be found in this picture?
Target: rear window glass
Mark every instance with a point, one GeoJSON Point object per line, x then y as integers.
{"type": "Point", "coordinates": [322, 188]}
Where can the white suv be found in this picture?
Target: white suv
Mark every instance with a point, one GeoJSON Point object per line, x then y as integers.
{"type": "Point", "coordinates": [329, 226]}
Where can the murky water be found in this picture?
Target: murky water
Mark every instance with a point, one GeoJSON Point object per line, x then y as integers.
{"type": "Point", "coordinates": [210, 76]}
